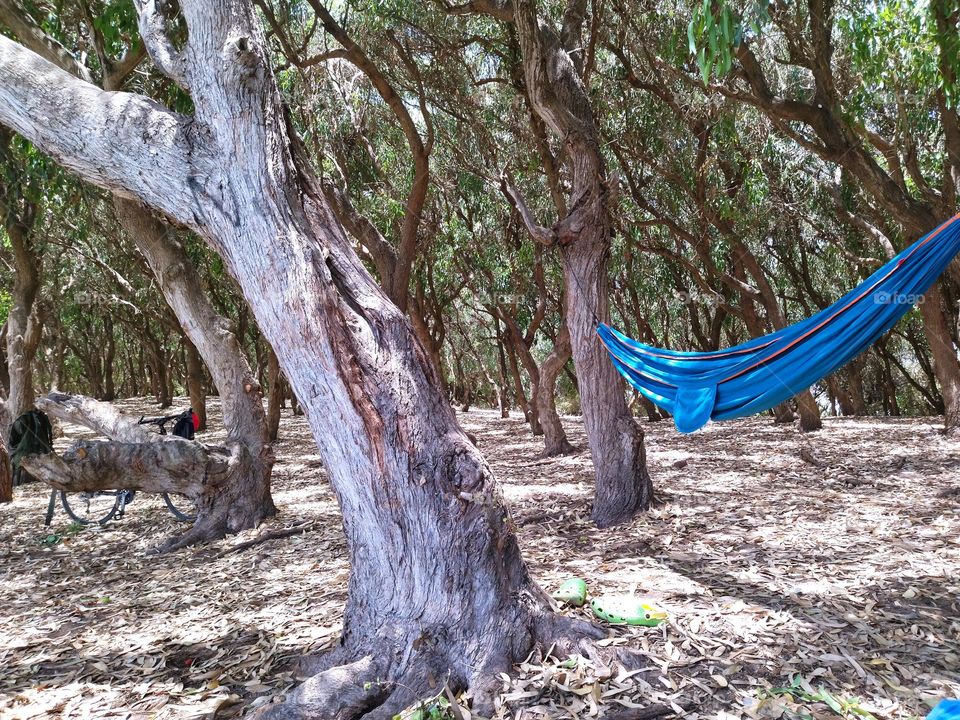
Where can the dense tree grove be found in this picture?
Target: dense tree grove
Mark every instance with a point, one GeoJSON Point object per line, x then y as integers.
{"type": "Point", "coordinates": [730, 217]}
{"type": "Point", "coordinates": [378, 209]}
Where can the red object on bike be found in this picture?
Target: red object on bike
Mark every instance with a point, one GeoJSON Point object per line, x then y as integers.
{"type": "Point", "coordinates": [196, 420]}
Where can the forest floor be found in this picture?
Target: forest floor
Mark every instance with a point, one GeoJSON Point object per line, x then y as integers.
{"type": "Point", "coordinates": [805, 576]}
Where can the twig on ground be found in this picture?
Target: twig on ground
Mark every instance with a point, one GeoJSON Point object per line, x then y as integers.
{"type": "Point", "coordinates": [297, 529]}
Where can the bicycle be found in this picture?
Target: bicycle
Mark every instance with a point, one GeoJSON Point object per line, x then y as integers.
{"type": "Point", "coordinates": [101, 506]}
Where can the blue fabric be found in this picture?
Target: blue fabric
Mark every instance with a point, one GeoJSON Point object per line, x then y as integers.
{"type": "Point", "coordinates": [945, 710]}
{"type": "Point", "coordinates": [759, 374]}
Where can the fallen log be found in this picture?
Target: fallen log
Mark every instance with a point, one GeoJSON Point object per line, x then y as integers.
{"type": "Point", "coordinates": [172, 467]}
{"type": "Point", "coordinates": [133, 458]}
{"type": "Point", "coordinates": [103, 418]}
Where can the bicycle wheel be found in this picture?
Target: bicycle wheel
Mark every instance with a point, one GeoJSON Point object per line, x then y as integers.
{"type": "Point", "coordinates": [91, 508]}
{"type": "Point", "coordinates": [186, 514]}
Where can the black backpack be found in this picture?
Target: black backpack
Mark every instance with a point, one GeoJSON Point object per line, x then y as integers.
{"type": "Point", "coordinates": [184, 426]}
{"type": "Point", "coordinates": [30, 434]}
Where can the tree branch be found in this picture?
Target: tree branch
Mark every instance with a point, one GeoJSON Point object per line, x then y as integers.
{"type": "Point", "coordinates": [153, 29]}
{"type": "Point", "coordinates": [124, 142]}
{"type": "Point", "coordinates": [540, 234]}
{"type": "Point", "coordinates": [16, 17]}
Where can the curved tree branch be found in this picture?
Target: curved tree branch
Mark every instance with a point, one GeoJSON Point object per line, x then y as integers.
{"type": "Point", "coordinates": [16, 17]}
{"type": "Point", "coordinates": [124, 142]}
{"type": "Point", "coordinates": [152, 22]}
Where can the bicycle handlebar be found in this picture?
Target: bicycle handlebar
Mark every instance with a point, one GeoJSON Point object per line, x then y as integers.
{"type": "Point", "coordinates": [160, 420]}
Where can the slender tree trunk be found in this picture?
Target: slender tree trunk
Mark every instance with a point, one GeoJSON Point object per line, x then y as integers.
{"type": "Point", "coordinates": [422, 331]}
{"type": "Point", "coordinates": [810, 420]}
{"type": "Point", "coordinates": [110, 353]}
{"type": "Point", "coordinates": [855, 379]}
{"type": "Point", "coordinates": [520, 351]}
{"type": "Point", "coordinates": [157, 362]}
{"type": "Point", "coordinates": [23, 326]}
{"type": "Point", "coordinates": [554, 437]}
{"type": "Point", "coordinates": [6, 471]}
{"type": "Point", "coordinates": [295, 406]}
{"type": "Point", "coordinates": [623, 485]}
{"type": "Point", "coordinates": [196, 383]}
{"type": "Point", "coordinates": [744, 260]}
{"type": "Point", "coordinates": [584, 235]}
{"type": "Point", "coordinates": [529, 412]}
{"type": "Point", "coordinates": [843, 399]}
{"type": "Point", "coordinates": [502, 371]}
{"type": "Point", "coordinates": [245, 501]}
{"type": "Point", "coordinates": [275, 398]}
{"type": "Point", "coordinates": [652, 411]}
{"type": "Point", "coordinates": [944, 355]}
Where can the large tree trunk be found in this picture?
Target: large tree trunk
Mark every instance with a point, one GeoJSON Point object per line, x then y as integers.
{"type": "Point", "coordinates": [554, 437]}
{"type": "Point", "coordinates": [559, 98]}
{"type": "Point", "coordinates": [422, 513]}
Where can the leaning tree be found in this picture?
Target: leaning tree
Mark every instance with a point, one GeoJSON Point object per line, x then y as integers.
{"type": "Point", "coordinates": [438, 588]}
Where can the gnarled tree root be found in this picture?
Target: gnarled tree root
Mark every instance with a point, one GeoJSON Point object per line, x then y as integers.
{"type": "Point", "coordinates": [382, 682]}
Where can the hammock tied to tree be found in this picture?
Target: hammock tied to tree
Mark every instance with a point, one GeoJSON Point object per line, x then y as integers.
{"type": "Point", "coordinates": [759, 374]}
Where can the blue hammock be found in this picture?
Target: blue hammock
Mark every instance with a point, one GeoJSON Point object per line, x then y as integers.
{"type": "Point", "coordinates": [759, 374]}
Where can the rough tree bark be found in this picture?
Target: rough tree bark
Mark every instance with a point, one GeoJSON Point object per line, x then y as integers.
{"type": "Point", "coordinates": [559, 98]}
{"type": "Point", "coordinates": [422, 513]}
